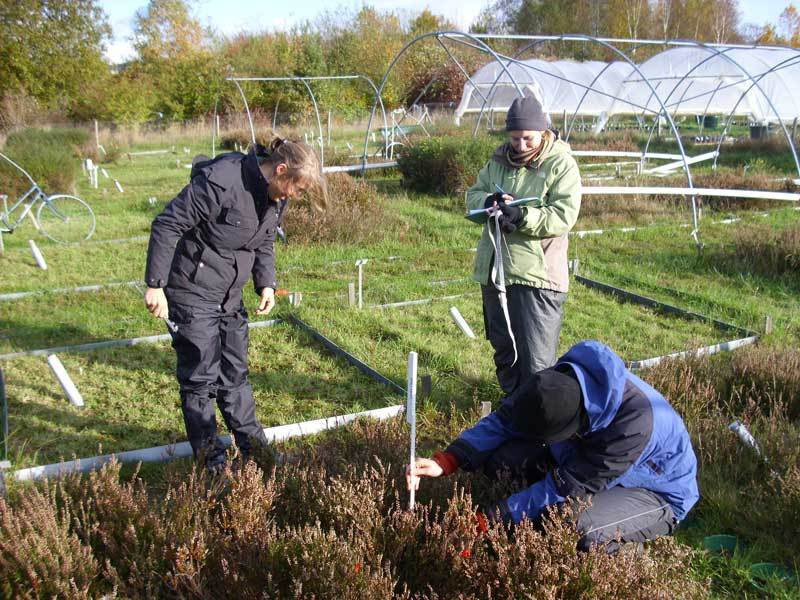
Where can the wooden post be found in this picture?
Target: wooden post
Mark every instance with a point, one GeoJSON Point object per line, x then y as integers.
{"type": "Point", "coordinates": [97, 135]}
{"type": "Point", "coordinates": [329, 128]}
{"type": "Point", "coordinates": [351, 293]}
{"type": "Point", "coordinates": [564, 131]}
{"type": "Point", "coordinates": [360, 264]}
{"type": "Point", "coordinates": [768, 325]}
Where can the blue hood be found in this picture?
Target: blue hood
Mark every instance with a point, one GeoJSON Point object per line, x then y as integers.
{"type": "Point", "coordinates": [601, 375]}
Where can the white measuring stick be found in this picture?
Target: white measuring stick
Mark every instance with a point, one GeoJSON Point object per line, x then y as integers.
{"type": "Point", "coordinates": [462, 324]}
{"type": "Point", "coordinates": [37, 255]}
{"type": "Point", "coordinates": [411, 417]}
{"type": "Point", "coordinates": [64, 379]}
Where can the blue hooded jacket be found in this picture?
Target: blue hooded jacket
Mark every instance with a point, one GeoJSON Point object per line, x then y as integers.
{"type": "Point", "coordinates": [635, 439]}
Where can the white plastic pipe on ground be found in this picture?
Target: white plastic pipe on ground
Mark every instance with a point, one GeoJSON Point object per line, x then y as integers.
{"type": "Point", "coordinates": [73, 395]}
{"type": "Point", "coordinates": [462, 324]}
{"type": "Point", "coordinates": [184, 450]}
{"type": "Point", "coordinates": [37, 255]}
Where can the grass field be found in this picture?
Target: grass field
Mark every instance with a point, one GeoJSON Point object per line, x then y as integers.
{"type": "Point", "coordinates": [131, 396]}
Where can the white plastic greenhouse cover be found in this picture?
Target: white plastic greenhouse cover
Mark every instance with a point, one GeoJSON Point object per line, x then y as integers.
{"type": "Point", "coordinates": [559, 85]}
{"type": "Point", "coordinates": [690, 80]}
{"type": "Point", "coordinates": [701, 80]}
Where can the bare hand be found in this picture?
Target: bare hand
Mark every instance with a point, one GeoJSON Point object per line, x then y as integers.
{"type": "Point", "coordinates": [156, 302]}
{"type": "Point", "coordinates": [423, 467]}
{"type": "Point", "coordinates": [267, 301]}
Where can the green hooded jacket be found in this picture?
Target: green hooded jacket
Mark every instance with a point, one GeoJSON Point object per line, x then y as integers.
{"type": "Point", "coordinates": [536, 253]}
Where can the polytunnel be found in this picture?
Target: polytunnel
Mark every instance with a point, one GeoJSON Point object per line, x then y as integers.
{"type": "Point", "coordinates": [754, 83]}
{"type": "Point", "coordinates": [588, 88]}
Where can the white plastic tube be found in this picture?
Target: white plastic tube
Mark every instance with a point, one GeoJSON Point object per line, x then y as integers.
{"type": "Point", "coordinates": [65, 380]}
{"type": "Point", "coordinates": [184, 450]}
{"type": "Point", "coordinates": [462, 324]}
{"type": "Point", "coordinates": [37, 255]}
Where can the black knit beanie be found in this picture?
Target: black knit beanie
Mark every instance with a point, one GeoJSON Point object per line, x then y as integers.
{"type": "Point", "coordinates": [526, 114]}
{"type": "Point", "coordinates": [548, 407]}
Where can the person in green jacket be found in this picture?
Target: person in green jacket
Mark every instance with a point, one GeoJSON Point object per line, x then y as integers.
{"type": "Point", "coordinates": [532, 278]}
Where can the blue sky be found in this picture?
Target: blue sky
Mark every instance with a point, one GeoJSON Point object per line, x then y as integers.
{"type": "Point", "coordinates": [269, 14]}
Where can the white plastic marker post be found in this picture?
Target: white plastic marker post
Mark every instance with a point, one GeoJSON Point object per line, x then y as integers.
{"type": "Point", "coordinates": [119, 187]}
{"type": "Point", "coordinates": [63, 377]}
{"type": "Point", "coordinates": [360, 264]}
{"type": "Point", "coordinates": [104, 172]}
{"type": "Point", "coordinates": [462, 324]}
{"type": "Point", "coordinates": [411, 417]}
{"type": "Point", "coordinates": [37, 254]}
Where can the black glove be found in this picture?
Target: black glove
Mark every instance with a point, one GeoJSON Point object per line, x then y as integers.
{"type": "Point", "coordinates": [510, 218]}
{"type": "Point", "coordinates": [490, 200]}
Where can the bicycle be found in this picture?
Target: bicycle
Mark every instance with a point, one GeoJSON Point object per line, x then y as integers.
{"type": "Point", "coordinates": [62, 218]}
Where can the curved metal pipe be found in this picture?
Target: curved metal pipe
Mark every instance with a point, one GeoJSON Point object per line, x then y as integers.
{"type": "Point", "coordinates": [755, 82]}
{"type": "Point", "coordinates": [247, 108]}
{"type": "Point", "coordinates": [397, 57]}
{"type": "Point", "coordinates": [733, 110]}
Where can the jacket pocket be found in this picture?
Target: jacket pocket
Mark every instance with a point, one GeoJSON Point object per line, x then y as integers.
{"type": "Point", "coordinates": [207, 273]}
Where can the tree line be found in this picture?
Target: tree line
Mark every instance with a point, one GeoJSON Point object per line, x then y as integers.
{"type": "Point", "coordinates": [52, 65]}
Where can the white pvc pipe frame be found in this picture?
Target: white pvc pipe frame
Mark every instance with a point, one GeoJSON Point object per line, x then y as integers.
{"type": "Point", "coordinates": [184, 449]}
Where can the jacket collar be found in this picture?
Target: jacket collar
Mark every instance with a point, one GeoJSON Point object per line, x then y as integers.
{"type": "Point", "coordinates": [255, 181]}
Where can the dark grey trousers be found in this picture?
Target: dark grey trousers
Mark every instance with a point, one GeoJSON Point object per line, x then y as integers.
{"type": "Point", "coordinates": [616, 516]}
{"type": "Point", "coordinates": [536, 317]}
{"type": "Point", "coordinates": [212, 366]}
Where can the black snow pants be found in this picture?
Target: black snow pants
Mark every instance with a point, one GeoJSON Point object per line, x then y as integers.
{"type": "Point", "coordinates": [211, 345]}
{"type": "Point", "coordinates": [536, 316]}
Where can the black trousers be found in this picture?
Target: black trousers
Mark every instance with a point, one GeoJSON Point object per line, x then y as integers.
{"type": "Point", "coordinates": [211, 346]}
{"type": "Point", "coordinates": [616, 516]}
{"type": "Point", "coordinates": [536, 317]}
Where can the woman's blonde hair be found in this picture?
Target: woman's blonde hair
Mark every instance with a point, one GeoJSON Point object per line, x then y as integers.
{"type": "Point", "coordinates": [302, 165]}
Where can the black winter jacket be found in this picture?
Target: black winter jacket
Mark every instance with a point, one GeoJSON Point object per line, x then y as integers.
{"type": "Point", "coordinates": [216, 232]}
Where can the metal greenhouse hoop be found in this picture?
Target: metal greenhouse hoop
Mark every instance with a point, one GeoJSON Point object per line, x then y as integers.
{"type": "Point", "coordinates": [304, 81]}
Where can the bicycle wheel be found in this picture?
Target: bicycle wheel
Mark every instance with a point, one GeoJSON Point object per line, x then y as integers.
{"type": "Point", "coordinates": [65, 219]}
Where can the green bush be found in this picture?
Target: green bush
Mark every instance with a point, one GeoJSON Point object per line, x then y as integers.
{"type": "Point", "coordinates": [445, 165]}
{"type": "Point", "coordinates": [51, 157]}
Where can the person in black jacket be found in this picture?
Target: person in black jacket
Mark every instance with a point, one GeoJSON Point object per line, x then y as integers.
{"type": "Point", "coordinates": [216, 233]}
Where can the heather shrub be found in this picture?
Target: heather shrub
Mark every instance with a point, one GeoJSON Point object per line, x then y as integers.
{"type": "Point", "coordinates": [41, 556]}
{"type": "Point", "coordinates": [740, 492]}
{"type": "Point", "coordinates": [301, 530]}
{"type": "Point", "coordinates": [768, 250]}
{"type": "Point", "coordinates": [355, 214]}
{"type": "Point", "coordinates": [445, 164]}
{"type": "Point", "coordinates": [240, 139]}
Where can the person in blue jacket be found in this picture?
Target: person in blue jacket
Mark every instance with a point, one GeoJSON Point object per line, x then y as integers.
{"type": "Point", "coordinates": [585, 428]}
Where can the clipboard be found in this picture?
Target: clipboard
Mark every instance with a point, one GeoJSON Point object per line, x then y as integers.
{"type": "Point", "coordinates": [480, 216]}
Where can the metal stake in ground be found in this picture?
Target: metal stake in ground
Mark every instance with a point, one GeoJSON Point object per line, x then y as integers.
{"type": "Point", "coordinates": [411, 417]}
{"type": "Point", "coordinates": [360, 264]}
